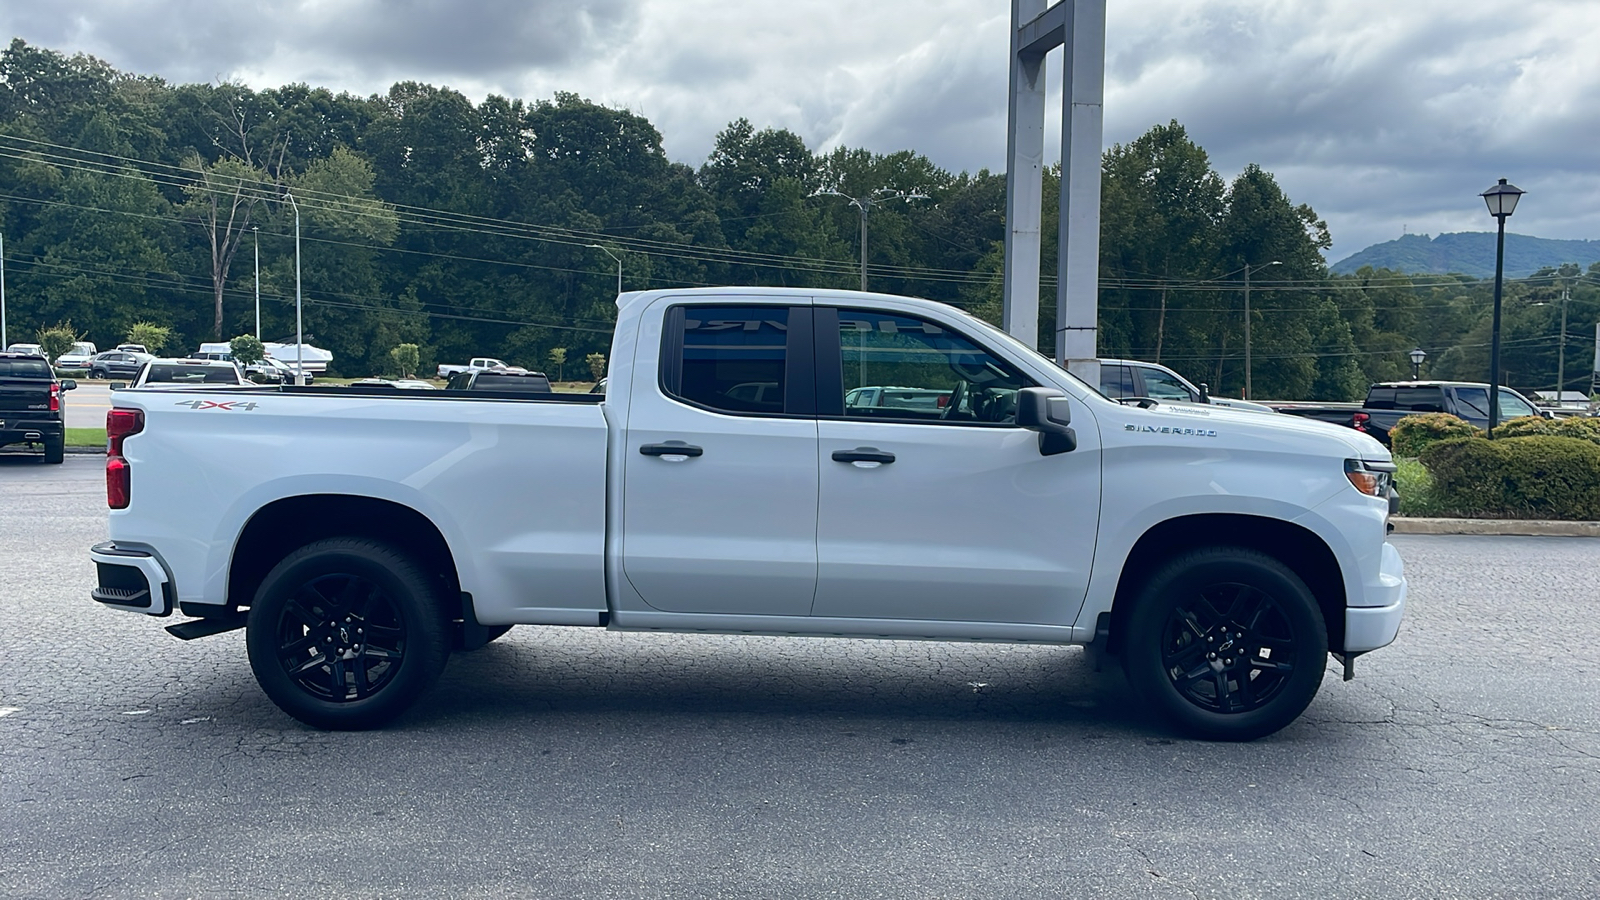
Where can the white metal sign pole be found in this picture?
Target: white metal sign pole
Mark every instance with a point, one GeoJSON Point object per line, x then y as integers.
{"type": "Point", "coordinates": [1082, 128]}
{"type": "Point", "coordinates": [1024, 176]}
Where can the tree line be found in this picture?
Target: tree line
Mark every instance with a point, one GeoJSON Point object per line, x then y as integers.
{"type": "Point", "coordinates": [471, 229]}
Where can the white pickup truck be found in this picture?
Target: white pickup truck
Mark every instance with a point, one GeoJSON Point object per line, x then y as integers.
{"type": "Point", "coordinates": [361, 537]}
{"type": "Point", "coordinates": [476, 364]}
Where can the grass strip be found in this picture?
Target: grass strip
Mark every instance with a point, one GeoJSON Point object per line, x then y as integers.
{"type": "Point", "coordinates": [86, 437]}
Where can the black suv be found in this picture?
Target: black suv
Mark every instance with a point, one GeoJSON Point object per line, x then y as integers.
{"type": "Point", "coordinates": [31, 411]}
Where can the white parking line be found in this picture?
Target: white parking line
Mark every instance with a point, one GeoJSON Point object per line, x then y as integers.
{"type": "Point", "coordinates": [8, 710]}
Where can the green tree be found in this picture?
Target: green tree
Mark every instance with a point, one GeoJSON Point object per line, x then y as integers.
{"type": "Point", "coordinates": [151, 335]}
{"type": "Point", "coordinates": [246, 349]}
{"type": "Point", "coordinates": [597, 365]}
{"type": "Point", "coordinates": [405, 358]}
{"type": "Point", "coordinates": [558, 360]}
{"type": "Point", "coordinates": [57, 339]}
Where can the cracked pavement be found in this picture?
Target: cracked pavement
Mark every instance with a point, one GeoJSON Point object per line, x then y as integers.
{"type": "Point", "coordinates": [1464, 761]}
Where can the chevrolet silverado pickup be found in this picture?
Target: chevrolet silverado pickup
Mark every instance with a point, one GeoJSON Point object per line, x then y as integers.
{"type": "Point", "coordinates": [32, 409]}
{"type": "Point", "coordinates": [1390, 401]}
{"type": "Point", "coordinates": [361, 537]}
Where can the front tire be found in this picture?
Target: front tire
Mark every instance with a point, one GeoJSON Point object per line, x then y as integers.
{"type": "Point", "coordinates": [346, 634]}
{"type": "Point", "coordinates": [1228, 643]}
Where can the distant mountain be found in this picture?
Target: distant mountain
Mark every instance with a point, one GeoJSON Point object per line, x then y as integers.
{"type": "Point", "coordinates": [1470, 253]}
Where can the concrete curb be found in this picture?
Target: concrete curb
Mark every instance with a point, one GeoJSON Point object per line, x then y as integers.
{"type": "Point", "coordinates": [1533, 527]}
{"type": "Point", "coordinates": [85, 451]}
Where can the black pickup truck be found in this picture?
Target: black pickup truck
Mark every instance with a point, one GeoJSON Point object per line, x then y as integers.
{"type": "Point", "coordinates": [31, 411]}
{"type": "Point", "coordinates": [1391, 401]}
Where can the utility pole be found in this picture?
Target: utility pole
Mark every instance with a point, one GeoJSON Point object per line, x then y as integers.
{"type": "Point", "coordinates": [299, 328]}
{"type": "Point", "coordinates": [3, 342]}
{"type": "Point", "coordinates": [256, 231]}
{"type": "Point", "coordinates": [876, 198]}
{"type": "Point", "coordinates": [1247, 367]}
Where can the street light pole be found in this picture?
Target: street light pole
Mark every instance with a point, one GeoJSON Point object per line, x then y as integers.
{"type": "Point", "coordinates": [256, 232]}
{"type": "Point", "coordinates": [1247, 366]}
{"type": "Point", "coordinates": [1502, 200]}
{"type": "Point", "coordinates": [613, 256]}
{"type": "Point", "coordinates": [1417, 356]}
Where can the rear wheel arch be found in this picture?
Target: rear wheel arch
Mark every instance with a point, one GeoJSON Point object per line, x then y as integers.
{"type": "Point", "coordinates": [1297, 547]}
{"type": "Point", "coordinates": [281, 527]}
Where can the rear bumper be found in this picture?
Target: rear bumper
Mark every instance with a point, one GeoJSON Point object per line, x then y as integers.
{"type": "Point", "coordinates": [18, 429]}
{"type": "Point", "coordinates": [132, 578]}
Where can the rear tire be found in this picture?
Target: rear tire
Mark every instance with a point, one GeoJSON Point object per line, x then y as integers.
{"type": "Point", "coordinates": [1228, 643]}
{"type": "Point", "coordinates": [55, 450]}
{"type": "Point", "coordinates": [346, 634]}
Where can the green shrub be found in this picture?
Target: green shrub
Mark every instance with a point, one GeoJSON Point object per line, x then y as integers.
{"type": "Point", "coordinates": [1412, 433]}
{"type": "Point", "coordinates": [246, 349]}
{"type": "Point", "coordinates": [1585, 429]}
{"type": "Point", "coordinates": [1524, 426]}
{"type": "Point", "coordinates": [1538, 477]}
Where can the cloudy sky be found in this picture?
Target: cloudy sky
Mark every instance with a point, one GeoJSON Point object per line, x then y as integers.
{"type": "Point", "coordinates": [1384, 116]}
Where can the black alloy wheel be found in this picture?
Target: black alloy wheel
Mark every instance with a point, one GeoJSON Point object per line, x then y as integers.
{"type": "Point", "coordinates": [1228, 648]}
{"type": "Point", "coordinates": [1228, 642]}
{"type": "Point", "coordinates": [346, 634]}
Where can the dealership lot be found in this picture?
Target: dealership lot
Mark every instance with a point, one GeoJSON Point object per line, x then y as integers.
{"type": "Point", "coordinates": [1463, 761]}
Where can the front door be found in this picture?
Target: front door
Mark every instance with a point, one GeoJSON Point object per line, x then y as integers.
{"type": "Point", "coordinates": [934, 505]}
{"type": "Point", "coordinates": [720, 470]}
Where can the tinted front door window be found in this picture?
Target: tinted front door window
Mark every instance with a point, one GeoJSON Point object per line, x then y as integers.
{"type": "Point", "coordinates": [906, 369]}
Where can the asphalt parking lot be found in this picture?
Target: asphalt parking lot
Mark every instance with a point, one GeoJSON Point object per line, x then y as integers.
{"type": "Point", "coordinates": [1463, 762]}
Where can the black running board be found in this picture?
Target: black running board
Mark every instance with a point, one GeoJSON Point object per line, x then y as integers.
{"type": "Point", "coordinates": [199, 628]}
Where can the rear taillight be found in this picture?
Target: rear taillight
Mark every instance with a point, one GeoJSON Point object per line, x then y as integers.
{"type": "Point", "coordinates": [119, 424]}
{"type": "Point", "coordinates": [55, 398]}
{"type": "Point", "coordinates": [1359, 421]}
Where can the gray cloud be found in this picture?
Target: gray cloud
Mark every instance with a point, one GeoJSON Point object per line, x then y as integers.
{"type": "Point", "coordinates": [1380, 115]}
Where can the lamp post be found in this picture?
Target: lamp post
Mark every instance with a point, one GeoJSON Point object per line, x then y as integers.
{"type": "Point", "coordinates": [1502, 200]}
{"type": "Point", "coordinates": [299, 325]}
{"type": "Point", "coordinates": [1247, 366]}
{"type": "Point", "coordinates": [255, 232]}
{"type": "Point", "coordinates": [865, 204]}
{"type": "Point", "coordinates": [1417, 356]}
{"type": "Point", "coordinates": [613, 256]}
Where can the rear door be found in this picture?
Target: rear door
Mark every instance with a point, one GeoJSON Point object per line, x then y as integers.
{"type": "Point", "coordinates": [720, 463]}
{"type": "Point", "coordinates": [945, 510]}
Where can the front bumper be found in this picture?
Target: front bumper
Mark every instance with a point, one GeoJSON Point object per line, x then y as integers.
{"type": "Point", "coordinates": [1370, 627]}
{"type": "Point", "coordinates": [132, 578]}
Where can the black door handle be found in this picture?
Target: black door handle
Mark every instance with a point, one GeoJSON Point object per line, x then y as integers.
{"type": "Point", "coordinates": [670, 448]}
{"type": "Point", "coordinates": [863, 454]}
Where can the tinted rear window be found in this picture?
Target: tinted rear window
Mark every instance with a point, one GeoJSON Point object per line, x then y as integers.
{"type": "Point", "coordinates": [192, 375]}
{"type": "Point", "coordinates": [24, 368]}
{"type": "Point", "coordinates": [488, 382]}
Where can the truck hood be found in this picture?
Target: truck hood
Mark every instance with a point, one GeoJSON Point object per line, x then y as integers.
{"type": "Point", "coordinates": [1241, 427]}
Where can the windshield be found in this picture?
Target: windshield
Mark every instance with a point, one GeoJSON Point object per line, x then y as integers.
{"type": "Point", "coordinates": [1511, 405]}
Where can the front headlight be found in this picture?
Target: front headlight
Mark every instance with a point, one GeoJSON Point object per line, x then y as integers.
{"type": "Point", "coordinates": [1370, 477]}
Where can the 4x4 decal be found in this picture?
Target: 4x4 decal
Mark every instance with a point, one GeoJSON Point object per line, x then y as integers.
{"type": "Point", "coordinates": [228, 405]}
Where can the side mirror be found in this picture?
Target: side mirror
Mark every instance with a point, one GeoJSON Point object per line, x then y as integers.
{"type": "Point", "coordinates": [1205, 392]}
{"type": "Point", "coordinates": [118, 385]}
{"type": "Point", "coordinates": [67, 384]}
{"type": "Point", "coordinates": [1047, 411]}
